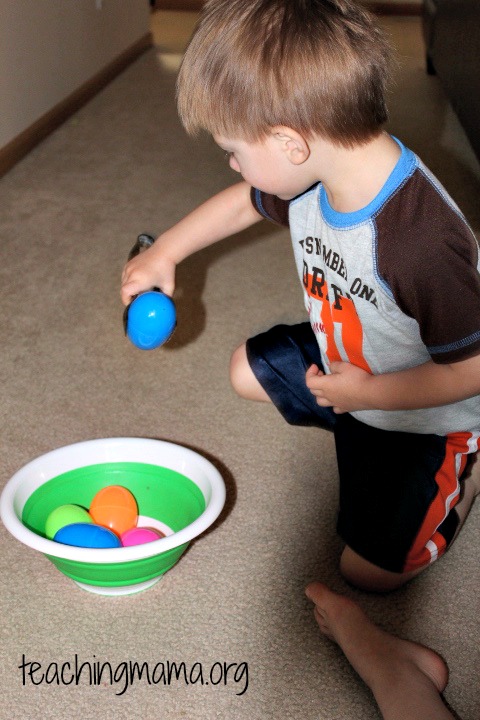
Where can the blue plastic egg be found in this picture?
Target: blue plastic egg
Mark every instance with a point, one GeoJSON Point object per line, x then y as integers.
{"type": "Point", "coordinates": [87, 535]}
{"type": "Point", "coordinates": [151, 320]}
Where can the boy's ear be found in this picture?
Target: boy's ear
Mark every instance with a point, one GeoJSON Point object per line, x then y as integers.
{"type": "Point", "coordinates": [292, 143]}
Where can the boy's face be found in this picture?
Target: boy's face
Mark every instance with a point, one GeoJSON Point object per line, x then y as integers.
{"type": "Point", "coordinates": [267, 166]}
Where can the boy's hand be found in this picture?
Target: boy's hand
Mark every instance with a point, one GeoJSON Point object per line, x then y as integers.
{"type": "Point", "coordinates": [344, 390]}
{"type": "Point", "coordinates": [147, 270]}
{"type": "Point", "coordinates": [225, 214]}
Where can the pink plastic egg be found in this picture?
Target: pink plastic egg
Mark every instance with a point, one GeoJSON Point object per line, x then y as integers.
{"type": "Point", "coordinates": [140, 536]}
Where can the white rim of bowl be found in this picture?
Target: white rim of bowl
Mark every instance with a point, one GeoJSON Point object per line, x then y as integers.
{"type": "Point", "coordinates": [120, 449]}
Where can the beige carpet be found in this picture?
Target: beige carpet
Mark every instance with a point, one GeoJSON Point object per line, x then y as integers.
{"type": "Point", "coordinates": [69, 213]}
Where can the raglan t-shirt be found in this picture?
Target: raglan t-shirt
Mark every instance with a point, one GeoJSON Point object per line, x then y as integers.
{"type": "Point", "coordinates": [390, 286]}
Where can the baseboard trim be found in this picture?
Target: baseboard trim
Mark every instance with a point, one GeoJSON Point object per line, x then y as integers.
{"type": "Point", "coordinates": [17, 148]}
{"type": "Point", "coordinates": [180, 5]}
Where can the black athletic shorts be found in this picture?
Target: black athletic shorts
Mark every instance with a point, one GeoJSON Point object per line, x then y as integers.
{"type": "Point", "coordinates": [397, 490]}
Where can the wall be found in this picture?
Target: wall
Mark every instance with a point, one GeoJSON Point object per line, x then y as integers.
{"type": "Point", "coordinates": [49, 48]}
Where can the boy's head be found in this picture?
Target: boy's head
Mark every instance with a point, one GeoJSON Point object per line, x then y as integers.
{"type": "Point", "coordinates": [320, 67]}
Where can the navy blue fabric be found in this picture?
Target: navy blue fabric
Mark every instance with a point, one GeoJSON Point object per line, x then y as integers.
{"type": "Point", "coordinates": [387, 484]}
{"type": "Point", "coordinates": [279, 359]}
{"type": "Point", "coordinates": [387, 478]}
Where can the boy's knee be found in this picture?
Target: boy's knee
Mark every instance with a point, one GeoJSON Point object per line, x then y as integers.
{"type": "Point", "coordinates": [237, 369]}
{"type": "Point", "coordinates": [366, 576]}
{"type": "Point", "coordinates": [242, 378]}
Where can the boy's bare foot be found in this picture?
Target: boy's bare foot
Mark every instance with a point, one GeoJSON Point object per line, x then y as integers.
{"type": "Point", "coordinates": [406, 678]}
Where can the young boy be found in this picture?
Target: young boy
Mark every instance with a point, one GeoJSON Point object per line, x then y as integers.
{"type": "Point", "coordinates": [294, 92]}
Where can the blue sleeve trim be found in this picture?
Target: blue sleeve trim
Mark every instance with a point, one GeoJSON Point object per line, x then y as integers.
{"type": "Point", "coordinates": [458, 345]}
{"type": "Point", "coordinates": [260, 208]}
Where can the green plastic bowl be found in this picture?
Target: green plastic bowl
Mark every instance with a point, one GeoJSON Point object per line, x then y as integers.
{"type": "Point", "coordinates": [177, 490]}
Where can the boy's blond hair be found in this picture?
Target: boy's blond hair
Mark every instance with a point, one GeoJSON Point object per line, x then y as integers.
{"type": "Point", "coordinates": [320, 67]}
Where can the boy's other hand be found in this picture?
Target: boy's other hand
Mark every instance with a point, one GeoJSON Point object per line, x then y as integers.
{"type": "Point", "coordinates": [343, 390]}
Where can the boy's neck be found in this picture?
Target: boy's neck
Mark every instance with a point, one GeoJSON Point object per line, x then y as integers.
{"type": "Point", "coordinates": [353, 177]}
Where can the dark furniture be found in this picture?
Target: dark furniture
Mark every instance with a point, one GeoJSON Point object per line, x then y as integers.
{"type": "Point", "coordinates": [451, 30]}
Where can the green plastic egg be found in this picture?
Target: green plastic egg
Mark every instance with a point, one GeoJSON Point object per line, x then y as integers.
{"type": "Point", "coordinates": [65, 515]}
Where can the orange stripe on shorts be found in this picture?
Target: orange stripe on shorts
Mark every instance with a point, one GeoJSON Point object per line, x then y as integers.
{"type": "Point", "coordinates": [430, 544]}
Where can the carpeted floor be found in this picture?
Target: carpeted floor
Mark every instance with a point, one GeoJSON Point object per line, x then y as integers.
{"type": "Point", "coordinates": [69, 214]}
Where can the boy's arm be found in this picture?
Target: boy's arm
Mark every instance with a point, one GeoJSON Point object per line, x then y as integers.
{"type": "Point", "coordinates": [224, 214]}
{"type": "Point", "coordinates": [350, 388]}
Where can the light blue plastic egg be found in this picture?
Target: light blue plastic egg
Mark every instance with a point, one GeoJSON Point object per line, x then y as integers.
{"type": "Point", "coordinates": [87, 535]}
{"type": "Point", "coordinates": [151, 320]}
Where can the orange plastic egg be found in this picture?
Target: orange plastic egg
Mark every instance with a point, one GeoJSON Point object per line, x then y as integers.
{"type": "Point", "coordinates": [115, 508]}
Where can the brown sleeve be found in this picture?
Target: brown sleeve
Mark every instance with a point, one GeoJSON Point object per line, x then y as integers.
{"type": "Point", "coordinates": [270, 206]}
{"type": "Point", "coordinates": [428, 257]}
